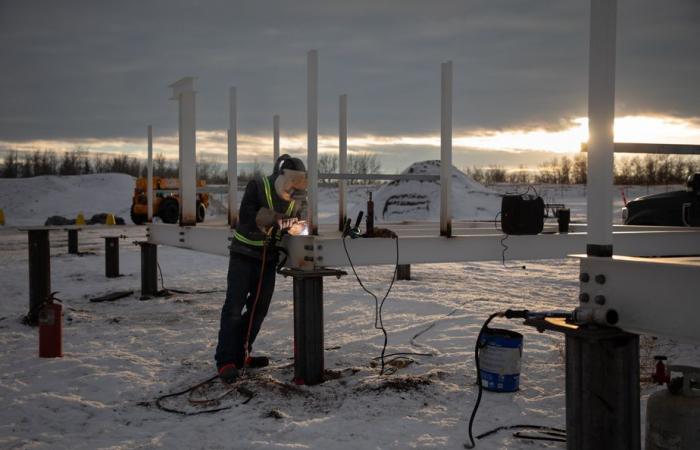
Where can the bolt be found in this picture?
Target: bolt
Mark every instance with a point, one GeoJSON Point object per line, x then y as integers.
{"type": "Point", "coordinates": [308, 258]}
{"type": "Point", "coordinates": [583, 297]}
{"type": "Point", "coordinates": [600, 279]}
{"type": "Point", "coordinates": [308, 247]}
{"type": "Point", "coordinates": [319, 247]}
{"type": "Point", "coordinates": [584, 277]}
{"type": "Point", "coordinates": [599, 299]}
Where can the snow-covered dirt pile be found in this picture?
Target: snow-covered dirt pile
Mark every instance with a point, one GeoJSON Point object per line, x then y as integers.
{"type": "Point", "coordinates": [420, 200]}
{"type": "Point", "coordinates": [30, 201]}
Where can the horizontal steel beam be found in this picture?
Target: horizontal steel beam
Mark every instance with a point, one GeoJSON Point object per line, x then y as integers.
{"type": "Point", "coordinates": [378, 176]}
{"type": "Point", "coordinates": [666, 149]}
{"type": "Point", "coordinates": [657, 296]}
{"type": "Point", "coordinates": [309, 252]}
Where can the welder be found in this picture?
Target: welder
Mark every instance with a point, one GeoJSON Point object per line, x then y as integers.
{"type": "Point", "coordinates": [270, 207]}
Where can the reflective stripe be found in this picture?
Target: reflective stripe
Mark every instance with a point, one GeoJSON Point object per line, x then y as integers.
{"type": "Point", "coordinates": [238, 236]}
{"type": "Point", "coordinates": [290, 209]}
{"type": "Point", "coordinates": [268, 194]}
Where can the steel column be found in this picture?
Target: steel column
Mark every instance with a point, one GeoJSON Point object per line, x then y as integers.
{"type": "Point", "coordinates": [183, 92]}
{"type": "Point", "coordinates": [232, 160]}
{"type": "Point", "coordinates": [149, 175]}
{"type": "Point", "coordinates": [446, 151]}
{"type": "Point", "coordinates": [601, 117]}
{"type": "Point", "coordinates": [73, 242]}
{"type": "Point", "coordinates": [308, 330]}
{"type": "Point", "coordinates": [312, 138]}
{"type": "Point", "coordinates": [39, 272]}
{"type": "Point", "coordinates": [342, 159]}
{"type": "Point", "coordinates": [403, 272]}
{"type": "Point", "coordinates": [112, 257]}
{"type": "Point", "coordinates": [602, 390]}
{"type": "Point", "coordinates": [275, 138]}
{"type": "Point", "coordinates": [149, 270]}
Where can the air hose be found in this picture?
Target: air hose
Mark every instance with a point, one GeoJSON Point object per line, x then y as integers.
{"type": "Point", "coordinates": [547, 433]}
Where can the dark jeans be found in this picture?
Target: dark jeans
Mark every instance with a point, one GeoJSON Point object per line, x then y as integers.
{"type": "Point", "coordinates": [243, 276]}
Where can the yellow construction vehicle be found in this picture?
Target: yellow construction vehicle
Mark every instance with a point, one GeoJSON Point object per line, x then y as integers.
{"type": "Point", "coordinates": [166, 205]}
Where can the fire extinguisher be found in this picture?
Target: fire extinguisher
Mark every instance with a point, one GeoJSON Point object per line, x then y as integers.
{"type": "Point", "coordinates": [51, 328]}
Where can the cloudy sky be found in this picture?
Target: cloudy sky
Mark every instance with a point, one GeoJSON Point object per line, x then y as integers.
{"type": "Point", "coordinates": [96, 73]}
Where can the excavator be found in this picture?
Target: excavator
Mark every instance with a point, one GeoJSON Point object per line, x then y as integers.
{"type": "Point", "coordinates": [166, 205]}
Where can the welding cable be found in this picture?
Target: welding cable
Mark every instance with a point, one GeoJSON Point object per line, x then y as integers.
{"type": "Point", "coordinates": [551, 433]}
{"type": "Point", "coordinates": [477, 346]}
{"type": "Point", "coordinates": [378, 305]}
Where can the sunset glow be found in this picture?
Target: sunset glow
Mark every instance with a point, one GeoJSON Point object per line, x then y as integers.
{"type": "Point", "coordinates": [564, 139]}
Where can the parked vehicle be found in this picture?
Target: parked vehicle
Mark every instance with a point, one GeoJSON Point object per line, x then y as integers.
{"type": "Point", "coordinates": [676, 208]}
{"type": "Point", "coordinates": [166, 205]}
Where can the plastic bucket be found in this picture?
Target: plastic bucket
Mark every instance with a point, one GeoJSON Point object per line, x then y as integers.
{"type": "Point", "coordinates": [500, 354]}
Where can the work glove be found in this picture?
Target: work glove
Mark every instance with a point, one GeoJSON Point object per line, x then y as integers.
{"type": "Point", "coordinates": [267, 218]}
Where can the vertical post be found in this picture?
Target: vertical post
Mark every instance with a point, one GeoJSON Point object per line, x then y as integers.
{"type": "Point", "coordinates": [601, 117]}
{"type": "Point", "coordinates": [342, 159]}
{"type": "Point", "coordinates": [308, 329]}
{"type": "Point", "coordinates": [602, 390]}
{"type": "Point", "coordinates": [39, 272]}
{"type": "Point", "coordinates": [149, 270]}
{"type": "Point", "coordinates": [275, 138]}
{"type": "Point", "coordinates": [111, 256]}
{"type": "Point", "coordinates": [232, 160]}
{"type": "Point", "coordinates": [403, 272]}
{"type": "Point", "coordinates": [149, 175]}
{"type": "Point", "coordinates": [446, 151]}
{"type": "Point", "coordinates": [312, 138]}
{"type": "Point", "coordinates": [183, 92]}
{"type": "Point", "coordinates": [73, 242]}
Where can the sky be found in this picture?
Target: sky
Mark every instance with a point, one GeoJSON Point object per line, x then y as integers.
{"type": "Point", "coordinates": [93, 74]}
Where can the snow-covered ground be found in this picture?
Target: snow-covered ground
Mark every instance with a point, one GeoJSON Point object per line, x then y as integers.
{"type": "Point", "coordinates": [119, 356]}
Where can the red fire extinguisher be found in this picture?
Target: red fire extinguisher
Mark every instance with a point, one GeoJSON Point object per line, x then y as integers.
{"type": "Point", "coordinates": [51, 328]}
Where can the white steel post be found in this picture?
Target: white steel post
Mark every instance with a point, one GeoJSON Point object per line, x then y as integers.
{"type": "Point", "coordinates": [446, 151]}
{"type": "Point", "coordinates": [149, 175]}
{"type": "Point", "coordinates": [183, 91]}
{"type": "Point", "coordinates": [276, 138]}
{"type": "Point", "coordinates": [312, 133]}
{"type": "Point", "coordinates": [232, 160]}
{"type": "Point", "coordinates": [601, 117]}
{"type": "Point", "coordinates": [342, 159]}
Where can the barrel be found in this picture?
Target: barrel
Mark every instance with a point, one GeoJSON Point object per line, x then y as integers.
{"type": "Point", "coordinates": [500, 354]}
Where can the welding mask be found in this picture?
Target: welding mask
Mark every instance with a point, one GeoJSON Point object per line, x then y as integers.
{"type": "Point", "coordinates": [290, 180]}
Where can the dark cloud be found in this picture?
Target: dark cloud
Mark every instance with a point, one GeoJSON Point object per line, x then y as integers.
{"type": "Point", "coordinates": [77, 69]}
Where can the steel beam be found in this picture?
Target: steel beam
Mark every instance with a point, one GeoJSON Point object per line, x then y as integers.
{"type": "Point", "coordinates": [378, 176]}
{"type": "Point", "coordinates": [662, 149]}
{"type": "Point", "coordinates": [657, 296]}
{"type": "Point", "coordinates": [480, 244]}
{"type": "Point", "coordinates": [183, 92]}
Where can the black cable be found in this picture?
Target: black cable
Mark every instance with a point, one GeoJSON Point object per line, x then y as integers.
{"type": "Point", "coordinates": [478, 377]}
{"type": "Point", "coordinates": [378, 305]}
{"type": "Point", "coordinates": [162, 284]}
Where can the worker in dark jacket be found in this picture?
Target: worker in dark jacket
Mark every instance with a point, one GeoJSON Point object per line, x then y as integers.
{"type": "Point", "coordinates": [268, 208]}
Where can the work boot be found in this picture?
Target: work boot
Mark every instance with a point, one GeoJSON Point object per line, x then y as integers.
{"type": "Point", "coordinates": [228, 373]}
{"type": "Point", "coordinates": [256, 362]}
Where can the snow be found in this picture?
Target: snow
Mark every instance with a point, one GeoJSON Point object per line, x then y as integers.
{"type": "Point", "coordinates": [30, 201]}
{"type": "Point", "coordinates": [119, 356]}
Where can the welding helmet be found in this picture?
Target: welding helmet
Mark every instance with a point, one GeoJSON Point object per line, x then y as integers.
{"type": "Point", "coordinates": [290, 177]}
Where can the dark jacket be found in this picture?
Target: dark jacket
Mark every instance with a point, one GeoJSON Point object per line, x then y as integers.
{"type": "Point", "coordinates": [247, 231]}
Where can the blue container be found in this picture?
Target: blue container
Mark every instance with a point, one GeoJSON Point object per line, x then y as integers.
{"type": "Point", "coordinates": [500, 354]}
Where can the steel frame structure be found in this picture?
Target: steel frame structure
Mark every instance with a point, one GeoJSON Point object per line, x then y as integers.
{"type": "Point", "coordinates": [647, 295]}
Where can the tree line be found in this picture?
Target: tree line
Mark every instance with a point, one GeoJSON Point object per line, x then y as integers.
{"type": "Point", "coordinates": [82, 162]}
{"type": "Point", "coordinates": [636, 170]}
